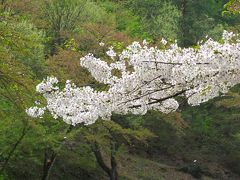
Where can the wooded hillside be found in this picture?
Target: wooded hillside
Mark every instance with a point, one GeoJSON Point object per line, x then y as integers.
{"type": "Point", "coordinates": [40, 38]}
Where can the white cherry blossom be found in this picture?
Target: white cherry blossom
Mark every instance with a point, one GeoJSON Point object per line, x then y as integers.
{"type": "Point", "coordinates": [150, 79]}
{"type": "Point", "coordinates": [164, 41]}
{"type": "Point", "coordinates": [35, 111]}
{"type": "Point", "coordinates": [101, 44]}
{"type": "Point", "coordinates": [111, 53]}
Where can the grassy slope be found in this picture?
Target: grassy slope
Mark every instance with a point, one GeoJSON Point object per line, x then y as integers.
{"type": "Point", "coordinates": [134, 167]}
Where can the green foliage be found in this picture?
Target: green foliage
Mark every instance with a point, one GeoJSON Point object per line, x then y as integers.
{"type": "Point", "coordinates": [201, 18]}
{"type": "Point", "coordinates": [233, 6]}
{"type": "Point", "coordinates": [166, 23]}
{"type": "Point", "coordinates": [98, 13]}
{"type": "Point", "coordinates": [40, 38]}
{"type": "Point", "coordinates": [107, 132]}
{"type": "Point", "coordinates": [65, 65]}
{"type": "Point", "coordinates": [129, 23]}
{"type": "Point", "coordinates": [22, 42]}
{"type": "Point", "coordinates": [193, 169]}
{"type": "Point", "coordinates": [160, 19]}
{"type": "Point", "coordinates": [62, 14]}
{"type": "Point", "coordinates": [213, 130]}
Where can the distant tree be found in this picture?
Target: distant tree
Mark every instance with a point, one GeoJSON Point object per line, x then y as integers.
{"type": "Point", "coordinates": [20, 40]}
{"type": "Point", "coordinates": [159, 19]}
{"type": "Point", "coordinates": [22, 60]}
{"type": "Point", "coordinates": [111, 138]}
{"type": "Point", "coordinates": [198, 18]}
{"type": "Point", "coordinates": [62, 15]}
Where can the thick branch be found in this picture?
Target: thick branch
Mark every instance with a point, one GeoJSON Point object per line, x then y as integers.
{"type": "Point", "coordinates": [172, 63]}
{"type": "Point", "coordinates": [162, 99]}
{"type": "Point", "coordinates": [98, 155]}
{"type": "Point", "coordinates": [48, 164]}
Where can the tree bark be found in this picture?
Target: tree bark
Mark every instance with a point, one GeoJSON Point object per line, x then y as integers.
{"type": "Point", "coordinates": [99, 158]}
{"type": "Point", "coordinates": [184, 26]}
{"type": "Point", "coordinates": [112, 172]}
{"type": "Point", "coordinates": [24, 131]}
{"type": "Point", "coordinates": [49, 160]}
{"type": "Point", "coordinates": [48, 163]}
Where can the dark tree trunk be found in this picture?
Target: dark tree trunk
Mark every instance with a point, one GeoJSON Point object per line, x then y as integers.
{"type": "Point", "coordinates": [112, 172]}
{"type": "Point", "coordinates": [99, 158]}
{"type": "Point", "coordinates": [184, 25]}
{"type": "Point", "coordinates": [50, 158]}
{"type": "Point", "coordinates": [48, 163]}
{"type": "Point", "coordinates": [11, 153]}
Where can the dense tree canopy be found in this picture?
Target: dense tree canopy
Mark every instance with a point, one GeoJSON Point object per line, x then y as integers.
{"type": "Point", "coordinates": [40, 39]}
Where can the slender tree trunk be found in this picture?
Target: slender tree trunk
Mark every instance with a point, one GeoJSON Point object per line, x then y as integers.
{"type": "Point", "coordinates": [184, 26]}
{"type": "Point", "coordinates": [50, 158]}
{"type": "Point", "coordinates": [11, 153]}
{"type": "Point", "coordinates": [48, 163]}
{"type": "Point", "coordinates": [114, 173]}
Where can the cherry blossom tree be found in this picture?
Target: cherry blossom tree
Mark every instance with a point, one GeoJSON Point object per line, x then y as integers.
{"type": "Point", "coordinates": [148, 79]}
{"type": "Point", "coordinates": [143, 78]}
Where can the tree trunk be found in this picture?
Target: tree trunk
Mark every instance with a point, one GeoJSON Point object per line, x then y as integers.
{"type": "Point", "coordinates": [184, 26]}
{"type": "Point", "coordinates": [48, 163]}
{"type": "Point", "coordinates": [112, 172]}
{"type": "Point", "coordinates": [49, 160]}
{"type": "Point", "coordinates": [114, 175]}
{"type": "Point", "coordinates": [11, 153]}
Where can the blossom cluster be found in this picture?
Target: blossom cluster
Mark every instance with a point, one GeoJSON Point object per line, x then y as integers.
{"type": "Point", "coordinates": [150, 79]}
{"type": "Point", "coordinates": [35, 111]}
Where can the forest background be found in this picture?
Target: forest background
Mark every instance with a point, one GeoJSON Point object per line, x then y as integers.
{"type": "Point", "coordinates": [48, 37]}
